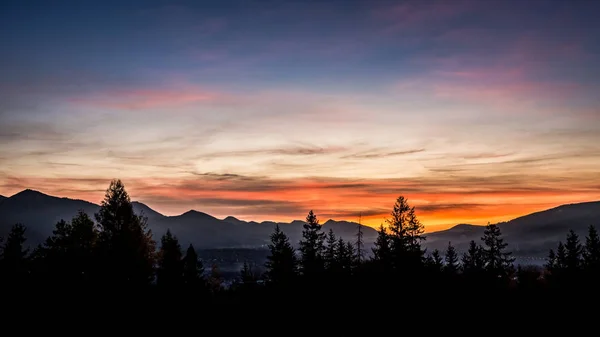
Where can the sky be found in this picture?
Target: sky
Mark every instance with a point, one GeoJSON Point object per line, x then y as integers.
{"type": "Point", "coordinates": [476, 111]}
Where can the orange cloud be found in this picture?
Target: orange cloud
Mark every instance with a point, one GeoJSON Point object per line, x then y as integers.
{"type": "Point", "coordinates": [440, 202]}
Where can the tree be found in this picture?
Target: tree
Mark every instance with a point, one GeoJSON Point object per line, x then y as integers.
{"type": "Point", "coordinates": [170, 264]}
{"type": "Point", "coordinates": [359, 241]}
{"type": "Point", "coordinates": [331, 247]}
{"type": "Point", "coordinates": [551, 264]}
{"type": "Point", "coordinates": [68, 254]}
{"type": "Point", "coordinates": [406, 233]}
{"type": "Point", "coordinates": [125, 245]}
{"type": "Point", "coordinates": [311, 246]}
{"type": "Point", "coordinates": [281, 263]}
{"type": "Point", "coordinates": [497, 261]}
{"type": "Point", "coordinates": [13, 256]}
{"type": "Point", "coordinates": [193, 269]}
{"type": "Point", "coordinates": [436, 262]}
{"type": "Point", "coordinates": [344, 256]}
{"type": "Point", "coordinates": [591, 254]}
{"type": "Point", "coordinates": [451, 259]}
{"type": "Point", "coordinates": [574, 252]}
{"type": "Point", "coordinates": [247, 274]}
{"type": "Point", "coordinates": [381, 250]}
{"type": "Point", "coordinates": [473, 261]}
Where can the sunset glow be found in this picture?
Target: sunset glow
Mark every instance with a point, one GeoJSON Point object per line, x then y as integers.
{"type": "Point", "coordinates": [474, 112]}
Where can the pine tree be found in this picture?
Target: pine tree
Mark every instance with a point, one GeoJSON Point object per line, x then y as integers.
{"type": "Point", "coordinates": [331, 246]}
{"type": "Point", "coordinates": [472, 261]}
{"type": "Point", "coordinates": [498, 261]}
{"type": "Point", "coordinates": [359, 242]}
{"type": "Point", "coordinates": [14, 256]}
{"type": "Point", "coordinates": [591, 254]}
{"type": "Point", "coordinates": [193, 269]}
{"type": "Point", "coordinates": [125, 245]}
{"type": "Point", "coordinates": [381, 251]}
{"type": "Point", "coordinates": [561, 257]}
{"type": "Point", "coordinates": [406, 233]}
{"type": "Point", "coordinates": [170, 264]}
{"type": "Point", "coordinates": [574, 252]}
{"type": "Point", "coordinates": [247, 274]}
{"type": "Point", "coordinates": [551, 262]}
{"type": "Point", "coordinates": [451, 260]}
{"type": "Point", "coordinates": [437, 263]}
{"type": "Point", "coordinates": [281, 263]}
{"type": "Point", "coordinates": [344, 256]}
{"type": "Point", "coordinates": [311, 246]}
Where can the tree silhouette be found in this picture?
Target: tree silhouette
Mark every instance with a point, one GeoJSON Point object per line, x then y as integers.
{"type": "Point", "coordinates": [359, 242]}
{"type": "Point", "coordinates": [125, 245]}
{"type": "Point", "coordinates": [451, 259]}
{"type": "Point", "coordinates": [435, 261]}
{"type": "Point", "coordinates": [311, 247]}
{"type": "Point", "coordinates": [14, 256]}
{"type": "Point", "coordinates": [331, 246]}
{"type": "Point", "coordinates": [193, 269]}
{"type": "Point", "coordinates": [497, 261]}
{"type": "Point", "coordinates": [170, 264]}
{"type": "Point", "coordinates": [281, 263]}
{"type": "Point", "coordinates": [473, 260]}
{"type": "Point", "coordinates": [591, 253]}
{"type": "Point", "coordinates": [574, 252]}
{"type": "Point", "coordinates": [381, 251]}
{"type": "Point", "coordinates": [406, 235]}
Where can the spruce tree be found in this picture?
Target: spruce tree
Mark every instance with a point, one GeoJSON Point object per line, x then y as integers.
{"type": "Point", "coordinates": [381, 250]}
{"type": "Point", "coordinates": [561, 257]}
{"type": "Point", "coordinates": [473, 260]}
{"type": "Point", "coordinates": [331, 246]}
{"type": "Point", "coordinates": [591, 254]}
{"type": "Point", "coordinates": [170, 264]}
{"type": "Point", "coordinates": [574, 252]}
{"type": "Point", "coordinates": [451, 259]}
{"type": "Point", "coordinates": [311, 247]}
{"type": "Point", "coordinates": [359, 243]}
{"type": "Point", "coordinates": [437, 263]}
{"type": "Point", "coordinates": [406, 234]}
{"type": "Point", "coordinates": [498, 261]}
{"type": "Point", "coordinates": [14, 256]}
{"type": "Point", "coordinates": [281, 263]}
{"type": "Point", "coordinates": [125, 245]}
{"type": "Point", "coordinates": [193, 269]}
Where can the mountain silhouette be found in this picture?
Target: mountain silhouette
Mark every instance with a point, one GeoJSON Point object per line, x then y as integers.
{"type": "Point", "coordinates": [40, 212]}
{"type": "Point", "coordinates": [530, 235]}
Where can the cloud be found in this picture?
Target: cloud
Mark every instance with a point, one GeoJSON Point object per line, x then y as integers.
{"type": "Point", "coordinates": [373, 154]}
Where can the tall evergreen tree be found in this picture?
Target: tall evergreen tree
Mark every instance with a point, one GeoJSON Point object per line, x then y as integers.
{"type": "Point", "coordinates": [69, 252]}
{"type": "Point", "coordinates": [381, 250]}
{"type": "Point", "coordinates": [170, 264]}
{"type": "Point", "coordinates": [125, 245]}
{"type": "Point", "coordinates": [406, 233]}
{"type": "Point", "coordinates": [193, 269]}
{"type": "Point", "coordinates": [551, 262]}
{"type": "Point", "coordinates": [497, 261]}
{"type": "Point", "coordinates": [359, 242]}
{"type": "Point", "coordinates": [311, 246]}
{"type": "Point", "coordinates": [561, 257]}
{"type": "Point", "coordinates": [451, 259]}
{"type": "Point", "coordinates": [436, 262]}
{"type": "Point", "coordinates": [591, 255]}
{"type": "Point", "coordinates": [574, 252]}
{"type": "Point", "coordinates": [14, 256]}
{"type": "Point", "coordinates": [473, 260]}
{"type": "Point", "coordinates": [281, 263]}
{"type": "Point", "coordinates": [331, 246]}
{"type": "Point", "coordinates": [344, 257]}
{"type": "Point", "coordinates": [247, 274]}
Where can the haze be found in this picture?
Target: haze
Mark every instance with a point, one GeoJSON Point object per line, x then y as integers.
{"type": "Point", "coordinates": [476, 111]}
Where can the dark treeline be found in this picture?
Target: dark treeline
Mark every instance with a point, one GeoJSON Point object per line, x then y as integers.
{"type": "Point", "coordinates": [115, 254]}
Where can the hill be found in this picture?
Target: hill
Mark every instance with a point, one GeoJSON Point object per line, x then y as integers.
{"type": "Point", "coordinates": [40, 212]}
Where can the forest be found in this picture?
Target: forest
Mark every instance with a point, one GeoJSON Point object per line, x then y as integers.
{"type": "Point", "coordinates": [115, 254]}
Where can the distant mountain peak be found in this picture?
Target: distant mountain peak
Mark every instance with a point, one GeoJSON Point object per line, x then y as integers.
{"type": "Point", "coordinates": [194, 213]}
{"type": "Point", "coordinates": [29, 192]}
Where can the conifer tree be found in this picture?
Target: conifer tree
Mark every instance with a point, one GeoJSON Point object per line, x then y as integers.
{"type": "Point", "coordinates": [561, 257]}
{"type": "Point", "coordinates": [574, 252]}
{"type": "Point", "coordinates": [170, 264]}
{"type": "Point", "coordinates": [406, 234]}
{"type": "Point", "coordinates": [451, 259]}
{"type": "Point", "coordinates": [472, 261]}
{"type": "Point", "coordinates": [331, 246]}
{"type": "Point", "coordinates": [437, 263]}
{"type": "Point", "coordinates": [312, 246]}
{"type": "Point", "coordinates": [247, 274]}
{"type": "Point", "coordinates": [551, 262]}
{"type": "Point", "coordinates": [359, 243]}
{"type": "Point", "coordinates": [125, 245]}
{"type": "Point", "coordinates": [381, 250]}
{"type": "Point", "coordinates": [344, 256]}
{"type": "Point", "coordinates": [497, 261]}
{"type": "Point", "coordinates": [193, 269]}
{"type": "Point", "coordinates": [281, 263]}
{"type": "Point", "coordinates": [14, 256]}
{"type": "Point", "coordinates": [591, 255]}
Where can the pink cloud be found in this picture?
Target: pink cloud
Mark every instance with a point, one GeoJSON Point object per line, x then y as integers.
{"type": "Point", "coordinates": [135, 99]}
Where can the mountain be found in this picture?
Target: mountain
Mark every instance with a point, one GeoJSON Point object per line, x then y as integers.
{"type": "Point", "coordinates": [2, 198]}
{"type": "Point", "coordinates": [530, 235]}
{"type": "Point", "coordinates": [40, 212]}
